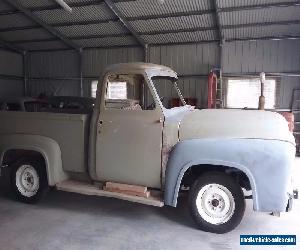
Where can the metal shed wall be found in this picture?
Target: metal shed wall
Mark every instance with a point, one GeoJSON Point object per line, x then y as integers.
{"type": "Point", "coordinates": [192, 62]}
{"type": "Point", "coordinates": [11, 71]}
{"type": "Point", "coordinates": [58, 72]}
{"type": "Point", "coordinates": [96, 60]}
{"type": "Point", "coordinates": [54, 73]}
{"type": "Point", "coordinates": [277, 56]}
{"type": "Point", "coordinates": [257, 56]}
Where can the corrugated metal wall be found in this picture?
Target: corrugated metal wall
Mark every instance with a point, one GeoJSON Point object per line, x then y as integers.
{"type": "Point", "coordinates": [192, 62]}
{"type": "Point", "coordinates": [258, 56]}
{"type": "Point", "coordinates": [57, 65]}
{"type": "Point", "coordinates": [281, 56]}
{"type": "Point", "coordinates": [10, 65]}
{"type": "Point", "coordinates": [95, 60]}
{"type": "Point", "coordinates": [63, 69]}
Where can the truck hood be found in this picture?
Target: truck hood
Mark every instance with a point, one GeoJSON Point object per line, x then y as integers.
{"type": "Point", "coordinates": [222, 123]}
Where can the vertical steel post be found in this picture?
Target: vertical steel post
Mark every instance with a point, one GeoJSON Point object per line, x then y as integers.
{"type": "Point", "coordinates": [80, 72]}
{"type": "Point", "coordinates": [25, 73]}
{"type": "Point", "coordinates": [222, 93]}
{"type": "Point", "coordinates": [146, 53]}
{"type": "Point", "coordinates": [146, 59]}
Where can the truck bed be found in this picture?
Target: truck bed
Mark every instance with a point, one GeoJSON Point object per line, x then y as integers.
{"type": "Point", "coordinates": [70, 131]}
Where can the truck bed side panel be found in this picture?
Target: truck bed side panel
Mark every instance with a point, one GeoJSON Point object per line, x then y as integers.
{"type": "Point", "coordinates": [70, 131]}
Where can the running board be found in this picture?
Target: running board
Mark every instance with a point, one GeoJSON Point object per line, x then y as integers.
{"type": "Point", "coordinates": [89, 189]}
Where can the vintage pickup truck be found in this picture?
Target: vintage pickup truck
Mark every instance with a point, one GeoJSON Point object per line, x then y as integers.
{"type": "Point", "coordinates": [131, 138]}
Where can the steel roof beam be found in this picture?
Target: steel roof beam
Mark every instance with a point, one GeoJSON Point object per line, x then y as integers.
{"type": "Point", "coordinates": [122, 34]}
{"type": "Point", "coordinates": [71, 38]}
{"type": "Point", "coordinates": [231, 26]}
{"type": "Point", "coordinates": [261, 6]}
{"type": "Point", "coordinates": [11, 47]}
{"type": "Point", "coordinates": [58, 7]}
{"type": "Point", "coordinates": [218, 21]}
{"type": "Point", "coordinates": [96, 2]}
{"type": "Point", "coordinates": [115, 10]}
{"type": "Point", "coordinates": [177, 43]}
{"type": "Point", "coordinates": [264, 38]}
{"type": "Point", "coordinates": [169, 15]}
{"type": "Point", "coordinates": [50, 29]}
{"type": "Point", "coordinates": [129, 19]}
{"type": "Point", "coordinates": [224, 27]}
{"type": "Point", "coordinates": [263, 24]}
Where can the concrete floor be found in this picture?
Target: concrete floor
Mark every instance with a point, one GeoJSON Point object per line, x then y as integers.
{"type": "Point", "coordinates": [68, 221]}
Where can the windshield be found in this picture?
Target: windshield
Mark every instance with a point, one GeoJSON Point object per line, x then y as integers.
{"type": "Point", "coordinates": [168, 91]}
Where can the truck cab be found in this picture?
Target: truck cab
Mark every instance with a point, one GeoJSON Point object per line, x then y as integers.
{"type": "Point", "coordinates": [134, 147]}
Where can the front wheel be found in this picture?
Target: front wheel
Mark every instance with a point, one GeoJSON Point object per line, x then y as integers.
{"type": "Point", "coordinates": [216, 202]}
{"type": "Point", "coordinates": [28, 180]}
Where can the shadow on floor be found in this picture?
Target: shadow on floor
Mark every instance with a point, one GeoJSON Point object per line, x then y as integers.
{"type": "Point", "coordinates": [93, 206]}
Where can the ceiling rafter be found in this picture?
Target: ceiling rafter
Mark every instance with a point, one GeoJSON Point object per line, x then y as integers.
{"type": "Point", "coordinates": [50, 29]}
{"type": "Point", "coordinates": [97, 2]}
{"type": "Point", "coordinates": [10, 46]}
{"type": "Point", "coordinates": [230, 26]}
{"type": "Point", "coordinates": [175, 43]}
{"type": "Point", "coordinates": [115, 10]}
{"type": "Point", "coordinates": [214, 28]}
{"type": "Point", "coordinates": [261, 6]}
{"type": "Point", "coordinates": [265, 38]}
{"type": "Point", "coordinates": [259, 24]}
{"type": "Point", "coordinates": [127, 22]}
{"type": "Point", "coordinates": [218, 22]}
{"type": "Point", "coordinates": [122, 34]}
{"type": "Point", "coordinates": [58, 7]}
{"type": "Point", "coordinates": [129, 19]}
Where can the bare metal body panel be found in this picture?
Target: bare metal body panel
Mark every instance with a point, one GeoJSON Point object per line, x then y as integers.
{"type": "Point", "coordinates": [124, 147]}
{"type": "Point", "coordinates": [154, 148]}
{"type": "Point", "coordinates": [69, 131]}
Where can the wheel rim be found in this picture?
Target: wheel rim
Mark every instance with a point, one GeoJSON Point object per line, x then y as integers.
{"type": "Point", "coordinates": [27, 180]}
{"type": "Point", "coordinates": [215, 204]}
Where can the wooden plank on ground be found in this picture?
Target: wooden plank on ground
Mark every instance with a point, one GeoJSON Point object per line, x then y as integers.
{"type": "Point", "coordinates": [89, 189]}
{"type": "Point", "coordinates": [125, 187]}
{"type": "Point", "coordinates": [116, 190]}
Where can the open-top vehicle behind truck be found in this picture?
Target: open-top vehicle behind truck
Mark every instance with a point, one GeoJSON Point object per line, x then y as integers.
{"type": "Point", "coordinates": [134, 148]}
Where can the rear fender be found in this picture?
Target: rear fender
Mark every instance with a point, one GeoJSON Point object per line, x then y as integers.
{"type": "Point", "coordinates": [47, 147]}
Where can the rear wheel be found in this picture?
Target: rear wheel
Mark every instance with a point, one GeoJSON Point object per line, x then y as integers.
{"type": "Point", "coordinates": [29, 180]}
{"type": "Point", "coordinates": [216, 202]}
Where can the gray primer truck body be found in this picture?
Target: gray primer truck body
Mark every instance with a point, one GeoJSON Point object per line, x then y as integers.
{"type": "Point", "coordinates": [155, 148]}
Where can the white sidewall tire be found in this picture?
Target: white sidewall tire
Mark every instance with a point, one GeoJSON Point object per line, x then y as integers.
{"type": "Point", "coordinates": [227, 196]}
{"type": "Point", "coordinates": [29, 180]}
{"type": "Point", "coordinates": [215, 203]}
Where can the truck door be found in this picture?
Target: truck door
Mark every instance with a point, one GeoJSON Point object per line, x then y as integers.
{"type": "Point", "coordinates": [129, 136]}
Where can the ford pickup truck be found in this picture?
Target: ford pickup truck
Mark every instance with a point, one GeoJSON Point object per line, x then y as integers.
{"type": "Point", "coordinates": [133, 141]}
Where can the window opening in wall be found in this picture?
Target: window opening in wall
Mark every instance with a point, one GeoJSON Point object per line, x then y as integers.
{"type": "Point", "coordinates": [94, 88]}
{"type": "Point", "coordinates": [244, 93]}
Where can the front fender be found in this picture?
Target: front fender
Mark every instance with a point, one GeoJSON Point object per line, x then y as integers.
{"type": "Point", "coordinates": [265, 163]}
{"type": "Point", "coordinates": [44, 145]}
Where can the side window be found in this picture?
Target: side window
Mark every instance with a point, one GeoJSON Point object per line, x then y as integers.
{"type": "Point", "coordinates": [117, 90]}
{"type": "Point", "coordinates": [128, 92]}
{"type": "Point", "coordinates": [94, 88]}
